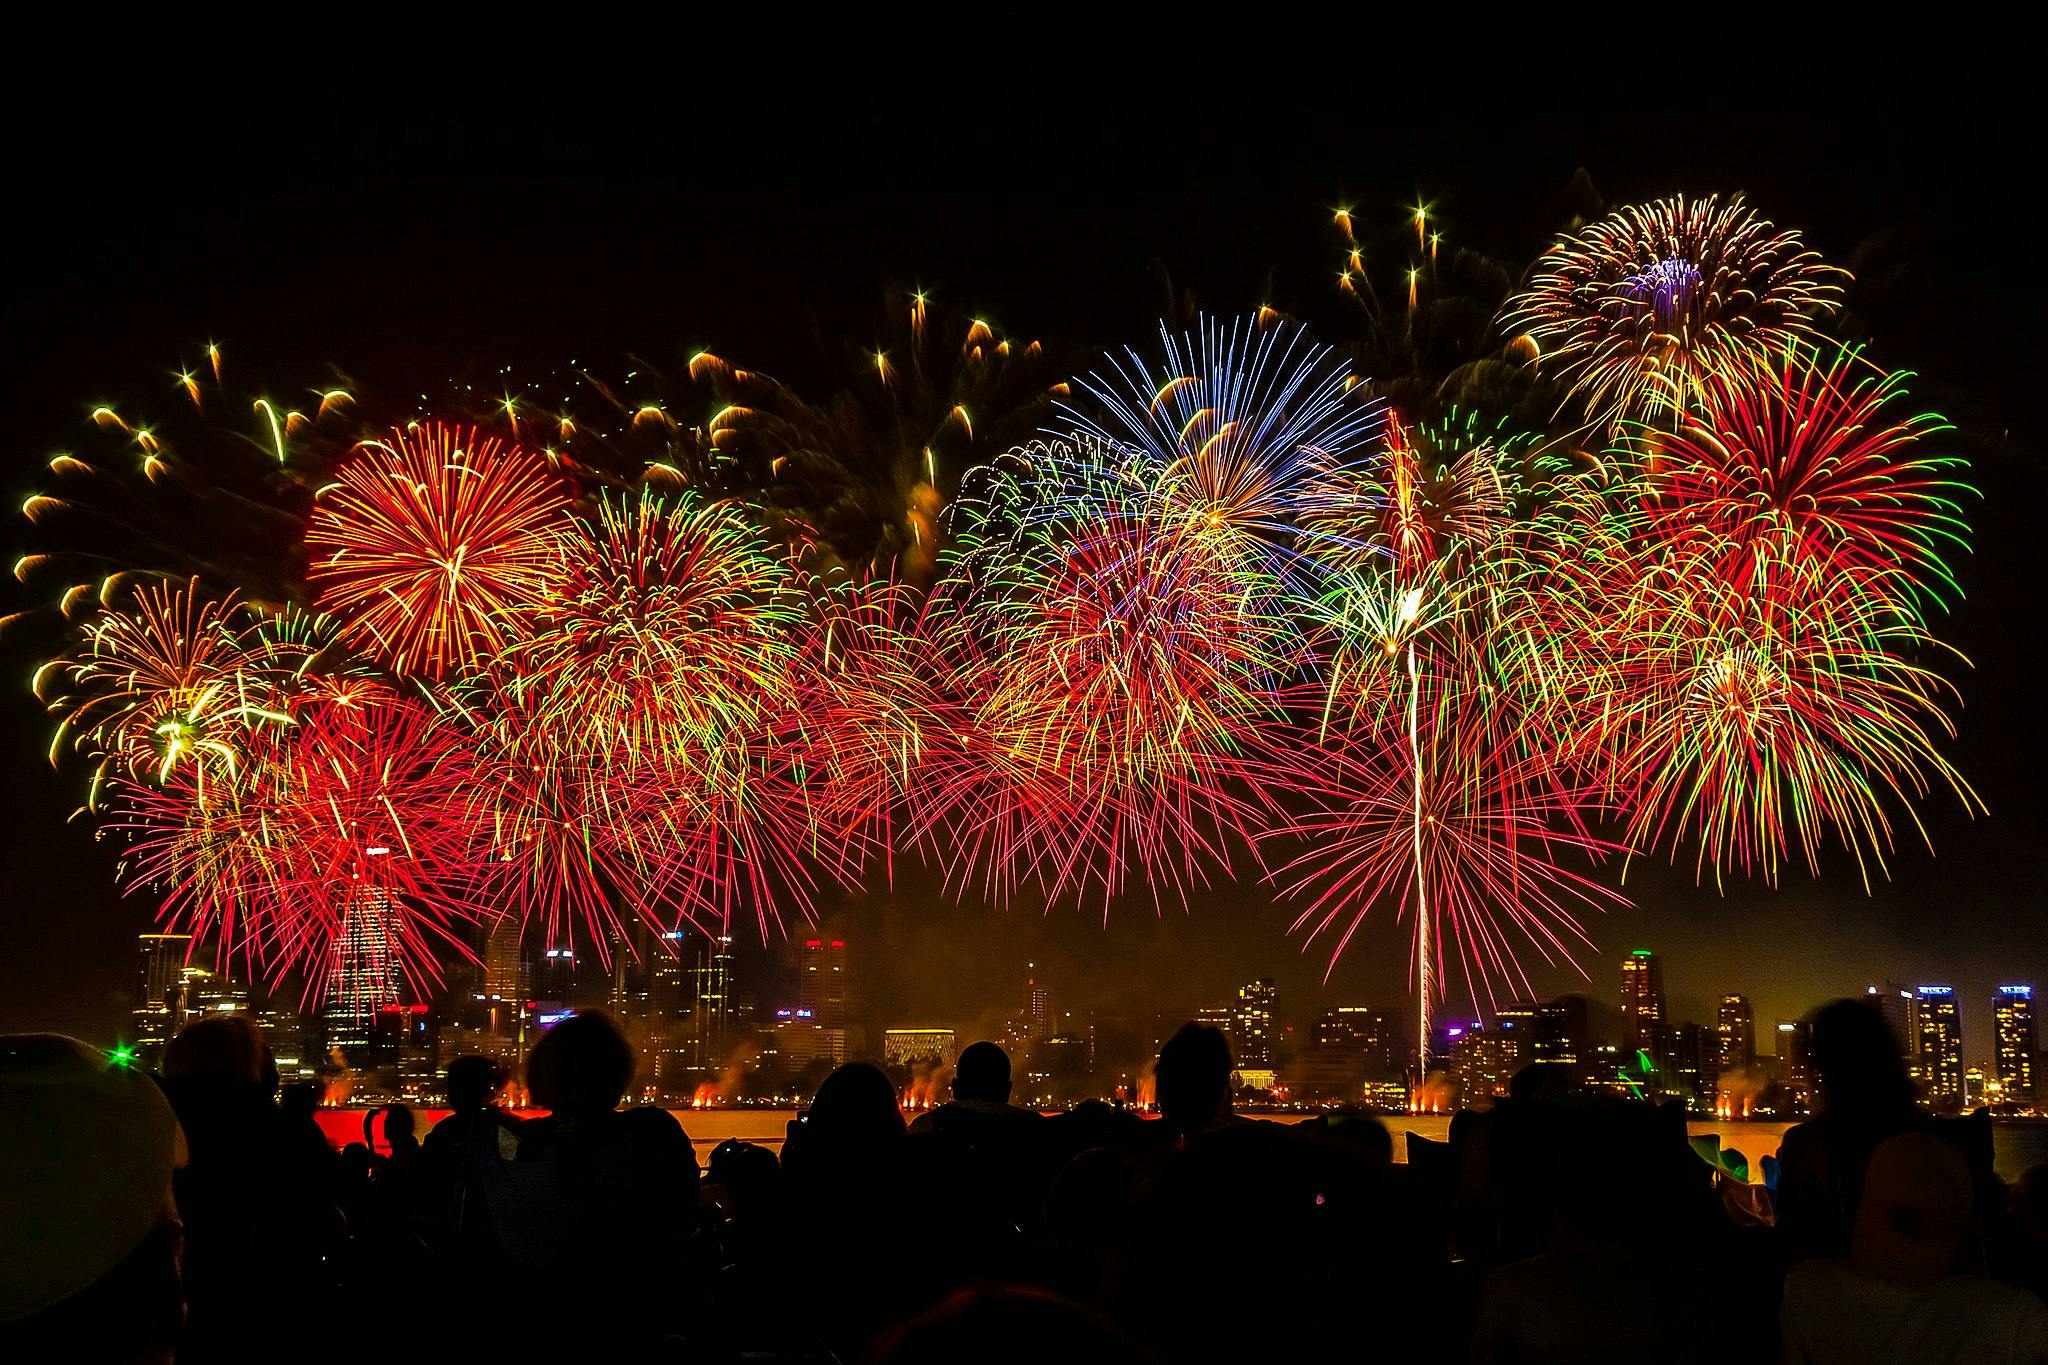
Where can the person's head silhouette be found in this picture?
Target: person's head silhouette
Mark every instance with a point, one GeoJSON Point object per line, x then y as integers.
{"type": "Point", "coordinates": [581, 1067]}
{"type": "Point", "coordinates": [472, 1083]}
{"type": "Point", "coordinates": [226, 1048]}
{"type": "Point", "coordinates": [1858, 1061]}
{"type": "Point", "coordinates": [1193, 1078]}
{"type": "Point", "coordinates": [855, 1107]}
{"type": "Point", "coordinates": [982, 1073]}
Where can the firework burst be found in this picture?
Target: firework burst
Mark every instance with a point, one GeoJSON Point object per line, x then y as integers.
{"type": "Point", "coordinates": [1119, 683]}
{"type": "Point", "coordinates": [431, 542]}
{"type": "Point", "coordinates": [637, 710]}
{"type": "Point", "coordinates": [362, 822]}
{"type": "Point", "coordinates": [1637, 312]}
{"type": "Point", "coordinates": [1230, 428]}
{"type": "Point", "coordinates": [1817, 466]}
{"type": "Point", "coordinates": [1736, 639]}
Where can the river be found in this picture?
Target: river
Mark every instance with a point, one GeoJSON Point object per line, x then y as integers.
{"type": "Point", "coordinates": [2016, 1145]}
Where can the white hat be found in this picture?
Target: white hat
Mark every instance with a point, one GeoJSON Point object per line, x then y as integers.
{"type": "Point", "coordinates": [87, 1147]}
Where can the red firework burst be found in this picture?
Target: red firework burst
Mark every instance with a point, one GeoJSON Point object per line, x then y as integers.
{"type": "Point", "coordinates": [873, 709]}
{"type": "Point", "coordinates": [355, 843]}
{"type": "Point", "coordinates": [1811, 468]}
{"type": "Point", "coordinates": [1458, 825]}
{"type": "Point", "coordinates": [1120, 718]}
{"type": "Point", "coordinates": [429, 544]}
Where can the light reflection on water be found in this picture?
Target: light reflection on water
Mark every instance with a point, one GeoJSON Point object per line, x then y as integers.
{"type": "Point", "coordinates": [2016, 1145]}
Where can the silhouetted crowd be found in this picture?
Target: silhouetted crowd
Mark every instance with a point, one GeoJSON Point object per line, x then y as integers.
{"type": "Point", "coordinates": [204, 1217]}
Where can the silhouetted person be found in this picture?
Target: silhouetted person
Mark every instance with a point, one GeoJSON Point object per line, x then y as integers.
{"type": "Point", "coordinates": [256, 1230]}
{"type": "Point", "coordinates": [1362, 1133]}
{"type": "Point", "coordinates": [1261, 1213]}
{"type": "Point", "coordinates": [399, 1135]}
{"type": "Point", "coordinates": [1631, 1204]}
{"type": "Point", "coordinates": [853, 1201]}
{"type": "Point", "coordinates": [1087, 1222]}
{"type": "Point", "coordinates": [2019, 1243]}
{"type": "Point", "coordinates": [1895, 1298]}
{"type": "Point", "coordinates": [451, 1195]}
{"type": "Point", "coordinates": [89, 1255]}
{"type": "Point", "coordinates": [1865, 1098]}
{"type": "Point", "coordinates": [981, 1092]}
{"type": "Point", "coordinates": [1192, 1080]}
{"type": "Point", "coordinates": [854, 1118]}
{"type": "Point", "coordinates": [992, 1158]}
{"type": "Point", "coordinates": [601, 1201]}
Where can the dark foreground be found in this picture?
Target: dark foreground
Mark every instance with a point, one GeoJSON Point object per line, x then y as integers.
{"type": "Point", "coordinates": [1548, 1229]}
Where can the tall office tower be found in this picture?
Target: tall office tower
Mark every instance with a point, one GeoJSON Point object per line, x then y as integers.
{"type": "Point", "coordinates": [1483, 1062]}
{"type": "Point", "coordinates": [1642, 1002]}
{"type": "Point", "coordinates": [2013, 1010]}
{"type": "Point", "coordinates": [1518, 1017]}
{"type": "Point", "coordinates": [668, 1013]}
{"type": "Point", "coordinates": [163, 967]}
{"type": "Point", "coordinates": [1940, 1058]}
{"type": "Point", "coordinates": [1251, 1032]}
{"type": "Point", "coordinates": [821, 987]}
{"type": "Point", "coordinates": [555, 976]}
{"type": "Point", "coordinates": [1795, 1062]}
{"type": "Point", "coordinates": [362, 974]}
{"type": "Point", "coordinates": [629, 989]}
{"type": "Point", "coordinates": [1037, 1007]}
{"type": "Point", "coordinates": [1696, 1065]}
{"type": "Point", "coordinates": [506, 976]}
{"type": "Point", "coordinates": [711, 1003]}
{"type": "Point", "coordinates": [214, 992]}
{"type": "Point", "coordinates": [160, 999]}
{"type": "Point", "coordinates": [1561, 1030]}
{"type": "Point", "coordinates": [1734, 1036]}
{"type": "Point", "coordinates": [1899, 1007]}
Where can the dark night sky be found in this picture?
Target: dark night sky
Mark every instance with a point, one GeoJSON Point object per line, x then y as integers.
{"type": "Point", "coordinates": [505, 212]}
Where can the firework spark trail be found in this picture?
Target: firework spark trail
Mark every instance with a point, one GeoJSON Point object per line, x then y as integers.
{"type": "Point", "coordinates": [376, 794]}
{"type": "Point", "coordinates": [430, 543]}
{"type": "Point", "coordinates": [636, 710]}
{"type": "Point", "coordinates": [1231, 426]}
{"type": "Point", "coordinates": [1636, 312]}
{"type": "Point", "coordinates": [1230, 601]}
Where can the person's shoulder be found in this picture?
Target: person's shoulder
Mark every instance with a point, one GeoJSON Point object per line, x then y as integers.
{"type": "Point", "coordinates": [651, 1118]}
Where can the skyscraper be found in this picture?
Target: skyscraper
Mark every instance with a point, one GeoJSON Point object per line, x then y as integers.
{"type": "Point", "coordinates": [668, 1013]}
{"type": "Point", "coordinates": [712, 1002]}
{"type": "Point", "coordinates": [1642, 1002]}
{"type": "Point", "coordinates": [362, 976]}
{"type": "Point", "coordinates": [1940, 1051]}
{"type": "Point", "coordinates": [2013, 1009]}
{"type": "Point", "coordinates": [1561, 1030]}
{"type": "Point", "coordinates": [1251, 1032]}
{"type": "Point", "coordinates": [160, 995]}
{"type": "Point", "coordinates": [1695, 1065]}
{"type": "Point", "coordinates": [1900, 1010]}
{"type": "Point", "coordinates": [1795, 1063]}
{"type": "Point", "coordinates": [1735, 1036]}
{"type": "Point", "coordinates": [1037, 1007]}
{"type": "Point", "coordinates": [505, 973]}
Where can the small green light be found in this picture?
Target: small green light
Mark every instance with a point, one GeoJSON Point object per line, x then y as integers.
{"type": "Point", "coordinates": [122, 1056]}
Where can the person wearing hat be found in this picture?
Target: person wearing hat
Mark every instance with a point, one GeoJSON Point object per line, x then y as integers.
{"type": "Point", "coordinates": [90, 1242]}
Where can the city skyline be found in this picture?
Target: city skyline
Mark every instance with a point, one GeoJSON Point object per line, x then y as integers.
{"type": "Point", "coordinates": [701, 1031]}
